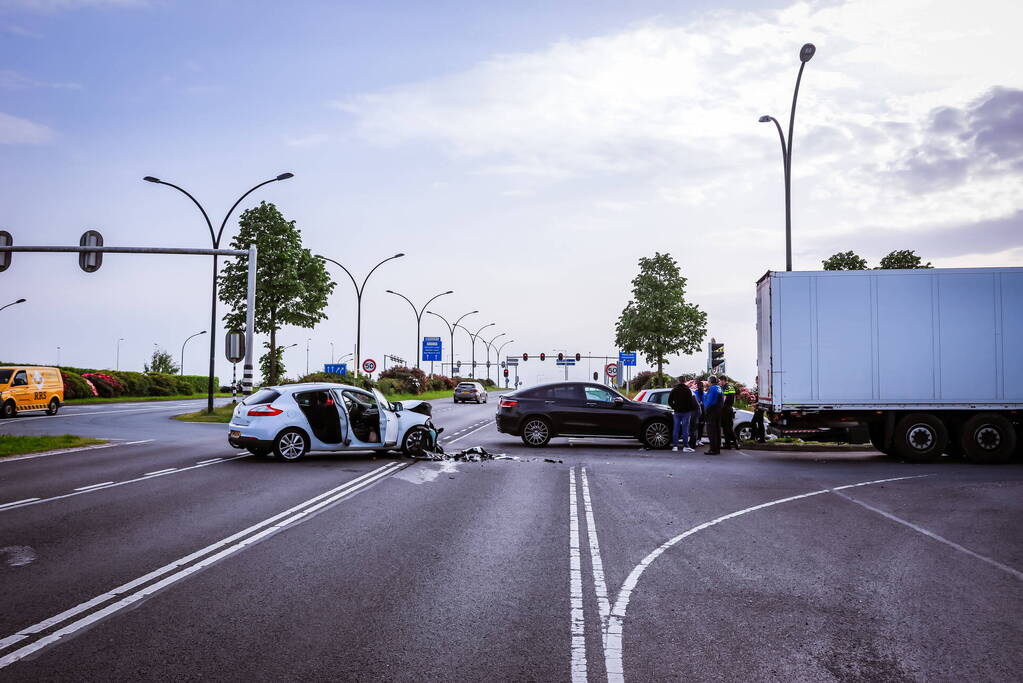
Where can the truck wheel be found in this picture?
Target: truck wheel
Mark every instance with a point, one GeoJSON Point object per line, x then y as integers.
{"type": "Point", "coordinates": [920, 437]}
{"type": "Point", "coordinates": [876, 431]}
{"type": "Point", "coordinates": [988, 438]}
{"type": "Point", "coordinates": [53, 407]}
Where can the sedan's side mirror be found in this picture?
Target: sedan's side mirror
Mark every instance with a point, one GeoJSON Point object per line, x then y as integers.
{"type": "Point", "coordinates": [619, 401]}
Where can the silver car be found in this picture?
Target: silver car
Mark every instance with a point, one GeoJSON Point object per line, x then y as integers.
{"type": "Point", "coordinates": [291, 420]}
{"type": "Point", "coordinates": [470, 391]}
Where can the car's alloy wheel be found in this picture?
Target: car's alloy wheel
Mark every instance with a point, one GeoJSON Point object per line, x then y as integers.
{"type": "Point", "coordinates": [53, 407]}
{"type": "Point", "coordinates": [415, 442]}
{"type": "Point", "coordinates": [536, 433]}
{"type": "Point", "coordinates": [744, 432]}
{"type": "Point", "coordinates": [290, 445]}
{"type": "Point", "coordinates": [657, 434]}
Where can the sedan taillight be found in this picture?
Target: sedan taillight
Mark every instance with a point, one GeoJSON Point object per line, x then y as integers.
{"type": "Point", "coordinates": [508, 403]}
{"type": "Point", "coordinates": [264, 411]}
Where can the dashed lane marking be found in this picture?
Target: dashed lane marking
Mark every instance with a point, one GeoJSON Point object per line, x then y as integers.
{"type": "Point", "coordinates": [17, 502]}
{"type": "Point", "coordinates": [153, 474]}
{"type": "Point", "coordinates": [93, 486]}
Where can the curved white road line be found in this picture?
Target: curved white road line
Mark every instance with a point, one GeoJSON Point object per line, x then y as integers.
{"type": "Point", "coordinates": [616, 621]}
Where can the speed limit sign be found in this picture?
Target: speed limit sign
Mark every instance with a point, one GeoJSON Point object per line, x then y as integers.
{"type": "Point", "coordinates": [369, 365]}
{"type": "Point", "coordinates": [611, 369]}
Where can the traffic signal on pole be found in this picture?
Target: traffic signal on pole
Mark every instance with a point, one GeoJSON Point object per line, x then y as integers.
{"type": "Point", "coordinates": [561, 356]}
{"type": "Point", "coordinates": [595, 375]}
{"type": "Point", "coordinates": [525, 356]}
{"type": "Point", "coordinates": [578, 357]}
{"type": "Point", "coordinates": [90, 261]}
{"type": "Point", "coordinates": [717, 355]}
{"type": "Point", "coordinates": [5, 256]}
{"type": "Point", "coordinates": [506, 372]}
{"type": "Point", "coordinates": [543, 356]}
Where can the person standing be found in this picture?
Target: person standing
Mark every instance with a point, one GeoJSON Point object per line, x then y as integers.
{"type": "Point", "coordinates": [758, 425]}
{"type": "Point", "coordinates": [683, 403]}
{"type": "Point", "coordinates": [696, 426]}
{"type": "Point", "coordinates": [712, 401]}
{"type": "Point", "coordinates": [728, 417]}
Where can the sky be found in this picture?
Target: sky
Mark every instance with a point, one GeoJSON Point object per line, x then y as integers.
{"type": "Point", "coordinates": [524, 154]}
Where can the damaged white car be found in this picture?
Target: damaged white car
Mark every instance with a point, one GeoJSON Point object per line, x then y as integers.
{"type": "Point", "coordinates": [291, 420]}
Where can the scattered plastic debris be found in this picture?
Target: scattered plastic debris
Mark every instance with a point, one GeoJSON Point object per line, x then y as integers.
{"type": "Point", "coordinates": [474, 454]}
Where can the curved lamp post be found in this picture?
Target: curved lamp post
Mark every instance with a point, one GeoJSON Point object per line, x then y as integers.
{"type": "Point", "coordinates": [19, 301]}
{"type": "Point", "coordinates": [419, 316]}
{"type": "Point", "coordinates": [358, 302]}
{"type": "Point", "coordinates": [489, 345]}
{"type": "Point", "coordinates": [215, 238]}
{"type": "Point", "coordinates": [473, 337]}
{"type": "Point", "coordinates": [451, 331]}
{"type": "Point", "coordinates": [181, 370]}
{"type": "Point", "coordinates": [805, 55]}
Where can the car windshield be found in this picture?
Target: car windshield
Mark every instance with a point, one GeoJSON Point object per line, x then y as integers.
{"type": "Point", "coordinates": [262, 396]}
{"type": "Point", "coordinates": [5, 376]}
{"type": "Point", "coordinates": [382, 400]}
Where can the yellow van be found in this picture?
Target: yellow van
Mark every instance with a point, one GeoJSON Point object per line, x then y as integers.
{"type": "Point", "coordinates": [30, 388]}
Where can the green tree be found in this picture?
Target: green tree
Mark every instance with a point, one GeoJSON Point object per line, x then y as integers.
{"type": "Point", "coordinates": [903, 259]}
{"type": "Point", "coordinates": [161, 362]}
{"type": "Point", "coordinates": [270, 363]}
{"type": "Point", "coordinates": [292, 285]}
{"type": "Point", "coordinates": [845, 261]}
{"type": "Point", "coordinates": [657, 321]}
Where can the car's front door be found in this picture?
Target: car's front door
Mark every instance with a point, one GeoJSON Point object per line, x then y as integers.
{"type": "Point", "coordinates": [20, 390]}
{"type": "Point", "coordinates": [388, 420]}
{"type": "Point", "coordinates": [609, 416]}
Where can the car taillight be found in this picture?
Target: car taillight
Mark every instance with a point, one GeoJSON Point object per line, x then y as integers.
{"type": "Point", "coordinates": [508, 403]}
{"type": "Point", "coordinates": [264, 411]}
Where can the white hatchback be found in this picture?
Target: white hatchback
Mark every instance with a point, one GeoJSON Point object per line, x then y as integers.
{"type": "Point", "coordinates": [291, 420]}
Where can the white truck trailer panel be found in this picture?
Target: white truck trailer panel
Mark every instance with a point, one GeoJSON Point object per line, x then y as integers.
{"type": "Point", "coordinates": [877, 339]}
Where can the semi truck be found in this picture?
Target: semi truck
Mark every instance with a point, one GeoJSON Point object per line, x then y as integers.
{"type": "Point", "coordinates": [929, 361]}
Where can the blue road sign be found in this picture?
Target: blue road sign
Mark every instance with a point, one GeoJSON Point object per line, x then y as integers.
{"type": "Point", "coordinates": [336, 368]}
{"type": "Point", "coordinates": [432, 348]}
{"type": "Point", "coordinates": [627, 357]}
{"type": "Point", "coordinates": [567, 361]}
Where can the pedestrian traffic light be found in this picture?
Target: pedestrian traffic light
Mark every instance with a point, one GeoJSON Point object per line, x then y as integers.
{"type": "Point", "coordinates": [561, 356]}
{"type": "Point", "coordinates": [578, 357]}
{"type": "Point", "coordinates": [717, 355]}
{"type": "Point", "coordinates": [525, 356]}
{"type": "Point", "coordinates": [543, 356]}
{"type": "Point", "coordinates": [506, 372]}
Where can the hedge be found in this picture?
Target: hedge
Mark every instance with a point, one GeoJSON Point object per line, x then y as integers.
{"type": "Point", "coordinates": [90, 382]}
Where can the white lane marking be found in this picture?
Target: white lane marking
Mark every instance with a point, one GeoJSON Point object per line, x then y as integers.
{"type": "Point", "coordinates": [132, 443]}
{"type": "Point", "coordinates": [153, 474]}
{"type": "Point", "coordinates": [576, 585]}
{"type": "Point", "coordinates": [930, 534]}
{"type": "Point", "coordinates": [207, 462]}
{"type": "Point", "coordinates": [485, 424]}
{"type": "Point", "coordinates": [17, 502]}
{"type": "Point", "coordinates": [599, 583]}
{"type": "Point", "coordinates": [616, 620]}
{"type": "Point", "coordinates": [110, 484]}
{"type": "Point", "coordinates": [94, 486]}
{"type": "Point", "coordinates": [247, 537]}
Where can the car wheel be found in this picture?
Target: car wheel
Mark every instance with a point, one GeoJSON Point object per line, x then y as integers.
{"type": "Point", "coordinates": [291, 444]}
{"type": "Point", "coordinates": [744, 431]}
{"type": "Point", "coordinates": [920, 437]}
{"type": "Point", "coordinates": [53, 407]}
{"type": "Point", "coordinates": [415, 442]}
{"type": "Point", "coordinates": [536, 432]}
{"type": "Point", "coordinates": [988, 439]}
{"type": "Point", "coordinates": [656, 434]}
{"type": "Point", "coordinates": [10, 410]}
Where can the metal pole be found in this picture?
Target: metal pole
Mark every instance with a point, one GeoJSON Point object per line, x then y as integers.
{"type": "Point", "coordinates": [788, 175]}
{"type": "Point", "coordinates": [181, 370]}
{"type": "Point", "coordinates": [250, 321]}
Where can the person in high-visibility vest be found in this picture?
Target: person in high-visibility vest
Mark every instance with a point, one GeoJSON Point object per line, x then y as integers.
{"type": "Point", "coordinates": [728, 418]}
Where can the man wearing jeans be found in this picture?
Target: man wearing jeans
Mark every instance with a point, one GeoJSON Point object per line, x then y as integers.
{"type": "Point", "coordinates": [683, 403]}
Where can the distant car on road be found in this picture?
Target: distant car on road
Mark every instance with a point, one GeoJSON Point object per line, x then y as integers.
{"type": "Point", "coordinates": [29, 387]}
{"type": "Point", "coordinates": [742, 424]}
{"type": "Point", "coordinates": [583, 409]}
{"type": "Point", "coordinates": [291, 420]}
{"type": "Point", "coordinates": [470, 391]}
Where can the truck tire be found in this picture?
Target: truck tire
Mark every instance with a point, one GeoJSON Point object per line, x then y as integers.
{"type": "Point", "coordinates": [920, 437]}
{"type": "Point", "coordinates": [988, 438]}
{"type": "Point", "coordinates": [877, 437]}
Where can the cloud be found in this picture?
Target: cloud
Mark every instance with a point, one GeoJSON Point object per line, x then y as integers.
{"type": "Point", "coordinates": [18, 131]}
{"type": "Point", "coordinates": [12, 80]}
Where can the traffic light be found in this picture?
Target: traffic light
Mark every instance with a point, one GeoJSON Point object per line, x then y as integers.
{"type": "Point", "coordinates": [543, 356]}
{"type": "Point", "coordinates": [561, 356]}
{"type": "Point", "coordinates": [595, 375]}
{"type": "Point", "coordinates": [578, 357]}
{"type": "Point", "coordinates": [506, 372]}
{"type": "Point", "coordinates": [5, 257]}
{"type": "Point", "coordinates": [525, 357]}
{"type": "Point", "coordinates": [717, 355]}
{"type": "Point", "coordinates": [90, 261]}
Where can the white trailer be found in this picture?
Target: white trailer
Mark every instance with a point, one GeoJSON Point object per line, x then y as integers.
{"type": "Point", "coordinates": [930, 360]}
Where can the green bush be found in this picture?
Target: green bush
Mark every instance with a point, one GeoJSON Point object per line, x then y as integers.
{"type": "Point", "coordinates": [106, 385]}
{"type": "Point", "coordinates": [168, 385]}
{"type": "Point", "coordinates": [198, 384]}
{"type": "Point", "coordinates": [389, 386]}
{"type": "Point", "coordinates": [322, 377]}
{"type": "Point", "coordinates": [135, 383]}
{"type": "Point", "coordinates": [75, 386]}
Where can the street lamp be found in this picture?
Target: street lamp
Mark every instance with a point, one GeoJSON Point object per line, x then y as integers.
{"type": "Point", "coordinates": [488, 345]}
{"type": "Point", "coordinates": [451, 331]}
{"type": "Point", "coordinates": [181, 370]}
{"type": "Point", "coordinates": [117, 361]}
{"type": "Point", "coordinates": [358, 301]}
{"type": "Point", "coordinates": [419, 316]}
{"type": "Point", "coordinates": [19, 301]}
{"type": "Point", "coordinates": [215, 238]}
{"type": "Point", "coordinates": [472, 372]}
{"type": "Point", "coordinates": [805, 55]}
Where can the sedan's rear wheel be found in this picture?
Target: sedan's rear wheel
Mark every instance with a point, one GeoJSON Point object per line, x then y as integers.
{"type": "Point", "coordinates": [656, 434]}
{"type": "Point", "coordinates": [291, 444]}
{"type": "Point", "coordinates": [536, 432]}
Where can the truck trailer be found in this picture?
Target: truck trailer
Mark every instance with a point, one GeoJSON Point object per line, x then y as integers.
{"type": "Point", "coordinates": [930, 361]}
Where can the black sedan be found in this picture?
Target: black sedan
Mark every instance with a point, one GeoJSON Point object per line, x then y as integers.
{"type": "Point", "coordinates": [581, 409]}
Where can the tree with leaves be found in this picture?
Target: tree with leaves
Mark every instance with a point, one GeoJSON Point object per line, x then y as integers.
{"type": "Point", "coordinates": [657, 321]}
{"type": "Point", "coordinates": [292, 286]}
{"type": "Point", "coordinates": [903, 259]}
{"type": "Point", "coordinates": [161, 362]}
{"type": "Point", "coordinates": [845, 261]}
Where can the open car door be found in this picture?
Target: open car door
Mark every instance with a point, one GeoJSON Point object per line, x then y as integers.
{"type": "Point", "coordinates": [388, 420]}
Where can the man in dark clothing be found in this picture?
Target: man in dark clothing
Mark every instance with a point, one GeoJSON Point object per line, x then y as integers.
{"type": "Point", "coordinates": [683, 403]}
{"type": "Point", "coordinates": [758, 425]}
{"type": "Point", "coordinates": [728, 418]}
{"type": "Point", "coordinates": [712, 402]}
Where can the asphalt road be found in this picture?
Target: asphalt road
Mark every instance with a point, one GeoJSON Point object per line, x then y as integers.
{"type": "Point", "coordinates": [189, 562]}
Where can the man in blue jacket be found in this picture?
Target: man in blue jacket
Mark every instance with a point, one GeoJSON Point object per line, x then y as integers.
{"type": "Point", "coordinates": [712, 401]}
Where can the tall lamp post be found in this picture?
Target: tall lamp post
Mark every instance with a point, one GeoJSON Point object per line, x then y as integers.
{"type": "Point", "coordinates": [117, 358]}
{"type": "Point", "coordinates": [451, 331]}
{"type": "Point", "coordinates": [489, 345]}
{"type": "Point", "coordinates": [215, 238]}
{"type": "Point", "coordinates": [805, 55]}
{"type": "Point", "coordinates": [473, 337]}
{"type": "Point", "coordinates": [498, 361]}
{"type": "Point", "coordinates": [181, 370]}
{"type": "Point", "coordinates": [358, 302]}
{"type": "Point", "coordinates": [419, 316]}
{"type": "Point", "coordinates": [19, 301]}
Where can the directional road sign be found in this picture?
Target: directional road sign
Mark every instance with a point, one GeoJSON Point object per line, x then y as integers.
{"type": "Point", "coordinates": [432, 348]}
{"type": "Point", "coordinates": [512, 360]}
{"type": "Point", "coordinates": [336, 368]}
{"type": "Point", "coordinates": [567, 361]}
{"type": "Point", "coordinates": [627, 357]}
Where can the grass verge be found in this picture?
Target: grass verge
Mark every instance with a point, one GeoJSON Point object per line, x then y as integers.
{"type": "Point", "coordinates": [220, 414]}
{"type": "Point", "coordinates": [137, 399]}
{"type": "Point", "coordinates": [20, 445]}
